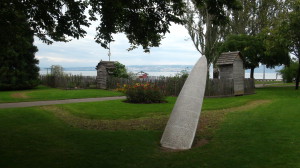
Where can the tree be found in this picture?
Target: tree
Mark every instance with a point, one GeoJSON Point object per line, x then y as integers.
{"type": "Point", "coordinates": [250, 47]}
{"type": "Point", "coordinates": [56, 71]}
{"type": "Point", "coordinates": [256, 19]}
{"type": "Point", "coordinates": [276, 48]}
{"type": "Point", "coordinates": [263, 48]}
{"type": "Point", "coordinates": [289, 73]}
{"type": "Point", "coordinates": [120, 71]}
{"type": "Point", "coordinates": [51, 20]}
{"type": "Point", "coordinates": [204, 22]}
{"type": "Point", "coordinates": [143, 22]}
{"type": "Point", "coordinates": [287, 31]}
{"type": "Point", "coordinates": [255, 16]}
{"type": "Point", "coordinates": [18, 67]}
{"type": "Point", "coordinates": [294, 33]}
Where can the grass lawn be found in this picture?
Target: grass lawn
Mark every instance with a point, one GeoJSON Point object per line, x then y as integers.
{"type": "Point", "coordinates": [243, 134]}
{"type": "Point", "coordinates": [267, 82]}
{"type": "Point", "coordinates": [275, 83]}
{"type": "Point", "coordinates": [46, 93]}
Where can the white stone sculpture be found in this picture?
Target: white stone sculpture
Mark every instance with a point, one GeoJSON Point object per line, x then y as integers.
{"type": "Point", "coordinates": [181, 127]}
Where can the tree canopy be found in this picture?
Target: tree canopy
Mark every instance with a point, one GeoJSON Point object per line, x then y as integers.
{"type": "Point", "coordinates": [144, 22]}
{"type": "Point", "coordinates": [51, 20]}
{"type": "Point", "coordinates": [250, 47]}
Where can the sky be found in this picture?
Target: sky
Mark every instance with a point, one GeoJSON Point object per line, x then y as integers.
{"type": "Point", "coordinates": [175, 49]}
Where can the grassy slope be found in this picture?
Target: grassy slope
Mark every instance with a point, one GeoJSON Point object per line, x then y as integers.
{"type": "Point", "coordinates": [267, 136]}
{"type": "Point", "coordinates": [45, 93]}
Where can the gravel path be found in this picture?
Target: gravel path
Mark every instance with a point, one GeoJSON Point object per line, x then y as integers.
{"type": "Point", "coordinates": [51, 102]}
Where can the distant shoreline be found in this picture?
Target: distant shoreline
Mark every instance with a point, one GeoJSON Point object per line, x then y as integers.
{"type": "Point", "coordinates": [162, 68]}
{"type": "Point", "coordinates": [94, 73]}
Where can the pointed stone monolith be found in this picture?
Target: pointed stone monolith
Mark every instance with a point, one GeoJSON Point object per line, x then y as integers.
{"type": "Point", "coordinates": [181, 127]}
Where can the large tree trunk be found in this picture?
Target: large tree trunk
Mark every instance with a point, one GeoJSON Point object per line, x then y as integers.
{"type": "Point", "coordinates": [298, 74]}
{"type": "Point", "coordinates": [252, 73]}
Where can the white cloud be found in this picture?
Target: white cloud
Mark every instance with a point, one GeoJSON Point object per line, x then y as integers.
{"type": "Point", "coordinates": [174, 50]}
{"type": "Point", "coordinates": [59, 59]}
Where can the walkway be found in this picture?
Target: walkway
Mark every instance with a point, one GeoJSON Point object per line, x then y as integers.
{"type": "Point", "coordinates": [51, 102]}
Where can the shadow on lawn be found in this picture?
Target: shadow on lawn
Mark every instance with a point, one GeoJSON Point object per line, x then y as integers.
{"type": "Point", "coordinates": [208, 124]}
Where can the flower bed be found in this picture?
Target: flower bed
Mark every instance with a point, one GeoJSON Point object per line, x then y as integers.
{"type": "Point", "coordinates": [142, 93]}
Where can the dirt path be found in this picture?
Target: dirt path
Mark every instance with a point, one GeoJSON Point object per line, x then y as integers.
{"type": "Point", "coordinates": [209, 119]}
{"type": "Point", "coordinates": [52, 102]}
{"type": "Point", "coordinates": [20, 95]}
{"type": "Point", "coordinates": [208, 124]}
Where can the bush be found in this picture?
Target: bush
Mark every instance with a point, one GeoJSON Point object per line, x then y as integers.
{"type": "Point", "coordinates": [143, 93]}
{"type": "Point", "coordinates": [120, 71]}
{"type": "Point", "coordinates": [289, 73]}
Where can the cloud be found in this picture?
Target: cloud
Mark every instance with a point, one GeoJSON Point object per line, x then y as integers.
{"type": "Point", "coordinates": [174, 50]}
{"type": "Point", "coordinates": [59, 59]}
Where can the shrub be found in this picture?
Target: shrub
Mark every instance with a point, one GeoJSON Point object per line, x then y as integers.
{"type": "Point", "coordinates": [120, 71]}
{"type": "Point", "coordinates": [143, 93]}
{"type": "Point", "coordinates": [289, 73]}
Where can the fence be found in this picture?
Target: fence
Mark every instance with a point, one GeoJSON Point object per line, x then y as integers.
{"type": "Point", "coordinates": [69, 81]}
{"type": "Point", "coordinates": [249, 86]}
{"type": "Point", "coordinates": [171, 86]}
{"type": "Point", "coordinates": [219, 87]}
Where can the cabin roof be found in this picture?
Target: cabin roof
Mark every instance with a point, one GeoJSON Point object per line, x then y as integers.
{"type": "Point", "coordinates": [107, 64]}
{"type": "Point", "coordinates": [227, 58]}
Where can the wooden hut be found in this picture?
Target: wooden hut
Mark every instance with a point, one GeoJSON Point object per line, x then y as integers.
{"type": "Point", "coordinates": [231, 66]}
{"type": "Point", "coordinates": [104, 69]}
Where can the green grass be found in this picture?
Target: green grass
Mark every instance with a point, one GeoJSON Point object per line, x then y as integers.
{"type": "Point", "coordinates": [282, 84]}
{"type": "Point", "coordinates": [45, 93]}
{"type": "Point", "coordinates": [266, 136]}
{"type": "Point", "coordinates": [267, 82]}
{"type": "Point", "coordinates": [118, 109]}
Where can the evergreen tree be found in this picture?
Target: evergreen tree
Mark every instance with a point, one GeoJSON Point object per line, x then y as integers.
{"type": "Point", "coordinates": [18, 67]}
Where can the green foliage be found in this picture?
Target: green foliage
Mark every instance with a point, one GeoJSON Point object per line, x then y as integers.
{"type": "Point", "coordinates": [18, 67]}
{"type": "Point", "coordinates": [250, 47]}
{"type": "Point", "coordinates": [218, 8]}
{"type": "Point", "coordinates": [276, 51]}
{"type": "Point", "coordinates": [144, 22]}
{"type": "Point", "coordinates": [53, 19]}
{"type": "Point", "coordinates": [120, 71]}
{"type": "Point", "coordinates": [255, 16]}
{"type": "Point", "coordinates": [182, 74]}
{"type": "Point", "coordinates": [265, 48]}
{"type": "Point", "coordinates": [289, 73]}
{"type": "Point", "coordinates": [287, 31]}
{"type": "Point", "coordinates": [294, 24]}
{"type": "Point", "coordinates": [143, 93]}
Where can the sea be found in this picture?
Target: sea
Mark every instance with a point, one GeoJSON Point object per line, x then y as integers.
{"type": "Point", "coordinates": [166, 70]}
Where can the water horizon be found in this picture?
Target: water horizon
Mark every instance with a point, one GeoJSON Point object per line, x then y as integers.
{"type": "Point", "coordinates": [166, 73]}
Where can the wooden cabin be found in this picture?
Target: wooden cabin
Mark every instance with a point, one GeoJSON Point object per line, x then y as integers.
{"type": "Point", "coordinates": [104, 69]}
{"type": "Point", "coordinates": [231, 66]}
